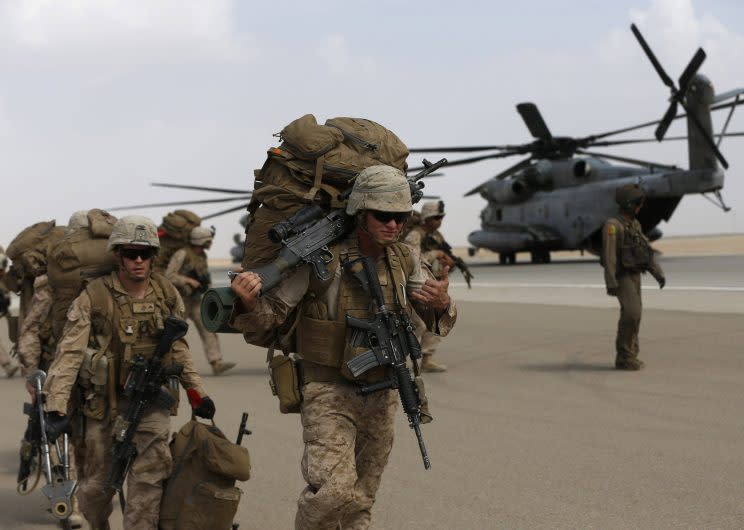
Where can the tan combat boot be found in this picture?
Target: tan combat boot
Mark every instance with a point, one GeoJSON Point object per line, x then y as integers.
{"type": "Point", "coordinates": [629, 364]}
{"type": "Point", "coordinates": [428, 364]}
{"type": "Point", "coordinates": [220, 367]}
{"type": "Point", "coordinates": [76, 518]}
{"type": "Point", "coordinates": [10, 369]}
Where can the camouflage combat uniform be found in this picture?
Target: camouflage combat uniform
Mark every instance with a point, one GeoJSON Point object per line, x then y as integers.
{"type": "Point", "coordinates": [35, 341]}
{"type": "Point", "coordinates": [626, 253]}
{"type": "Point", "coordinates": [347, 437]}
{"type": "Point", "coordinates": [417, 241]}
{"type": "Point", "coordinates": [105, 320]}
{"type": "Point", "coordinates": [181, 264]}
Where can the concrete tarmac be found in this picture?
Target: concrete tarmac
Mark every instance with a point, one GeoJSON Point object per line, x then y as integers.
{"type": "Point", "coordinates": [534, 428]}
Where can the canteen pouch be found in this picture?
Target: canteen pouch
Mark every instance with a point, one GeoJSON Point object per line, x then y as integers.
{"type": "Point", "coordinates": [285, 383]}
{"type": "Point", "coordinates": [209, 506]}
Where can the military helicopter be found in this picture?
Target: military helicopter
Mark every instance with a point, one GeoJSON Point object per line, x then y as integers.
{"type": "Point", "coordinates": [554, 200]}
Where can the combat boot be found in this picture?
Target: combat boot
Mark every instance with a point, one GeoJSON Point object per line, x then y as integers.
{"type": "Point", "coordinates": [10, 369]}
{"type": "Point", "coordinates": [629, 364]}
{"type": "Point", "coordinates": [220, 367]}
{"type": "Point", "coordinates": [428, 364]}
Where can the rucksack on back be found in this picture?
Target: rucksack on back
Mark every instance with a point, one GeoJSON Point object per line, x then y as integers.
{"type": "Point", "coordinates": [29, 248]}
{"type": "Point", "coordinates": [79, 256]}
{"type": "Point", "coordinates": [201, 492]}
{"type": "Point", "coordinates": [174, 234]}
{"type": "Point", "coordinates": [314, 163]}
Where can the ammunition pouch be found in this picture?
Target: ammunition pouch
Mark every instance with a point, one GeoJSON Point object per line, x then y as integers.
{"type": "Point", "coordinates": [636, 258]}
{"type": "Point", "coordinates": [285, 383]}
{"type": "Point", "coordinates": [94, 375]}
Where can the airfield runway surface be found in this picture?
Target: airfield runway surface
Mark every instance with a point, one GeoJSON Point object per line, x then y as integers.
{"type": "Point", "coordinates": [534, 428]}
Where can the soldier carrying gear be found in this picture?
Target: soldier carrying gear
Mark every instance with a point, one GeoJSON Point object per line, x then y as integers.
{"type": "Point", "coordinates": [626, 253]}
{"type": "Point", "coordinates": [116, 320]}
{"type": "Point", "coordinates": [189, 272]}
{"type": "Point", "coordinates": [5, 360]}
{"type": "Point", "coordinates": [338, 422]}
{"type": "Point", "coordinates": [425, 240]}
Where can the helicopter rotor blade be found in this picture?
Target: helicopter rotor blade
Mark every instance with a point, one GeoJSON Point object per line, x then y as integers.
{"type": "Point", "coordinates": [508, 171]}
{"type": "Point", "coordinates": [179, 203]}
{"type": "Point", "coordinates": [691, 69]}
{"type": "Point", "coordinates": [471, 160]}
{"type": "Point", "coordinates": [534, 121]}
{"type": "Point", "coordinates": [635, 161]}
{"type": "Point", "coordinates": [664, 77]}
{"type": "Point", "coordinates": [462, 149]}
{"type": "Point", "coordinates": [223, 212]}
{"type": "Point", "coordinates": [200, 188]}
{"type": "Point", "coordinates": [666, 121]}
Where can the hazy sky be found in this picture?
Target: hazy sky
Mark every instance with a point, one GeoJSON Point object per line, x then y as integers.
{"type": "Point", "coordinates": [98, 98]}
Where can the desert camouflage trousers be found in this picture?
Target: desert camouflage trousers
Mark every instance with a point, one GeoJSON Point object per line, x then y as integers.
{"type": "Point", "coordinates": [429, 341]}
{"type": "Point", "coordinates": [4, 356]}
{"type": "Point", "coordinates": [629, 296]}
{"type": "Point", "coordinates": [210, 343]}
{"type": "Point", "coordinates": [150, 468]}
{"type": "Point", "coordinates": [347, 438]}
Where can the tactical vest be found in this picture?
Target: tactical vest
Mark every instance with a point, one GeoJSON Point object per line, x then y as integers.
{"type": "Point", "coordinates": [634, 253]}
{"type": "Point", "coordinates": [326, 342]}
{"type": "Point", "coordinates": [121, 329]}
{"type": "Point", "coordinates": [195, 266]}
{"type": "Point", "coordinates": [79, 255]}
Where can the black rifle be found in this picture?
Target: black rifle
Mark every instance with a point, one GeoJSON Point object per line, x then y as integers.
{"type": "Point", "coordinates": [391, 339]}
{"type": "Point", "coordinates": [204, 281]}
{"type": "Point", "coordinates": [242, 430]}
{"type": "Point", "coordinates": [430, 242]}
{"type": "Point", "coordinates": [59, 488]}
{"type": "Point", "coordinates": [143, 389]}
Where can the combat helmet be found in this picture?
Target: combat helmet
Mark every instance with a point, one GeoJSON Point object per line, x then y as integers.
{"type": "Point", "coordinates": [201, 235]}
{"type": "Point", "coordinates": [432, 209]}
{"type": "Point", "coordinates": [134, 230]}
{"type": "Point", "coordinates": [629, 196]}
{"type": "Point", "coordinates": [382, 188]}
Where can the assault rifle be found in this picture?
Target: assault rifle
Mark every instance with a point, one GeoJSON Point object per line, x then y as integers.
{"type": "Point", "coordinates": [305, 238]}
{"type": "Point", "coordinates": [143, 389]}
{"type": "Point", "coordinates": [204, 281]}
{"type": "Point", "coordinates": [35, 445]}
{"type": "Point", "coordinates": [391, 339]}
{"type": "Point", "coordinates": [445, 247]}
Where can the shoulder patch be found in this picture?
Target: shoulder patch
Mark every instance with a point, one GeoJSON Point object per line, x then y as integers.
{"type": "Point", "coordinates": [611, 230]}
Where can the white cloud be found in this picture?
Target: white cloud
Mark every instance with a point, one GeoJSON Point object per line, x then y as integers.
{"type": "Point", "coordinates": [129, 32]}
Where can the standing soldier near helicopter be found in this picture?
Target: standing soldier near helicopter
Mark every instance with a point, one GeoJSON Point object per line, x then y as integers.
{"type": "Point", "coordinates": [626, 253]}
{"type": "Point", "coordinates": [424, 240]}
{"type": "Point", "coordinates": [189, 272]}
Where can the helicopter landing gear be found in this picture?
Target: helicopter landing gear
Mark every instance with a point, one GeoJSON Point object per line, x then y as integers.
{"type": "Point", "coordinates": [472, 251]}
{"type": "Point", "coordinates": [540, 256]}
{"type": "Point", "coordinates": [507, 258]}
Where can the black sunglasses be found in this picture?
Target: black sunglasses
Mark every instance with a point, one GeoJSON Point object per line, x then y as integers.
{"type": "Point", "coordinates": [133, 253]}
{"type": "Point", "coordinates": [437, 217]}
{"type": "Point", "coordinates": [386, 217]}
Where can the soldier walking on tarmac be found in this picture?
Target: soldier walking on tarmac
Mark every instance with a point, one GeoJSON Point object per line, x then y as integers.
{"type": "Point", "coordinates": [5, 361]}
{"type": "Point", "coordinates": [425, 240]}
{"type": "Point", "coordinates": [626, 253]}
{"type": "Point", "coordinates": [348, 436]}
{"type": "Point", "coordinates": [117, 318]}
{"type": "Point", "coordinates": [189, 272]}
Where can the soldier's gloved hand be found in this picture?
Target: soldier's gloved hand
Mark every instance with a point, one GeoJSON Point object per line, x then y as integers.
{"type": "Point", "coordinates": [612, 291]}
{"type": "Point", "coordinates": [662, 281]}
{"type": "Point", "coordinates": [203, 406]}
{"type": "Point", "coordinates": [56, 424]}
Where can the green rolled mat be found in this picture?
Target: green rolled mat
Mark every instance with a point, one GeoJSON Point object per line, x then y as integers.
{"type": "Point", "coordinates": [216, 308]}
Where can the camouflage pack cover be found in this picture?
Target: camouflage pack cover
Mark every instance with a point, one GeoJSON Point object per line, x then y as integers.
{"type": "Point", "coordinates": [29, 248]}
{"type": "Point", "coordinates": [174, 234]}
{"type": "Point", "coordinates": [314, 163]}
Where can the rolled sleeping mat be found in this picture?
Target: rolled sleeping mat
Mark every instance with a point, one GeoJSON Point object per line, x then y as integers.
{"type": "Point", "coordinates": [216, 308]}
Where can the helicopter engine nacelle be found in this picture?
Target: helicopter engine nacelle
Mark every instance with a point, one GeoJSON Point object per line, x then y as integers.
{"type": "Point", "coordinates": [507, 191]}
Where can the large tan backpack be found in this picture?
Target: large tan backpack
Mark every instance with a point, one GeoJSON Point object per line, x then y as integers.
{"type": "Point", "coordinates": [29, 248]}
{"type": "Point", "coordinates": [174, 234]}
{"type": "Point", "coordinates": [201, 491]}
{"type": "Point", "coordinates": [76, 258]}
{"type": "Point", "coordinates": [314, 163]}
